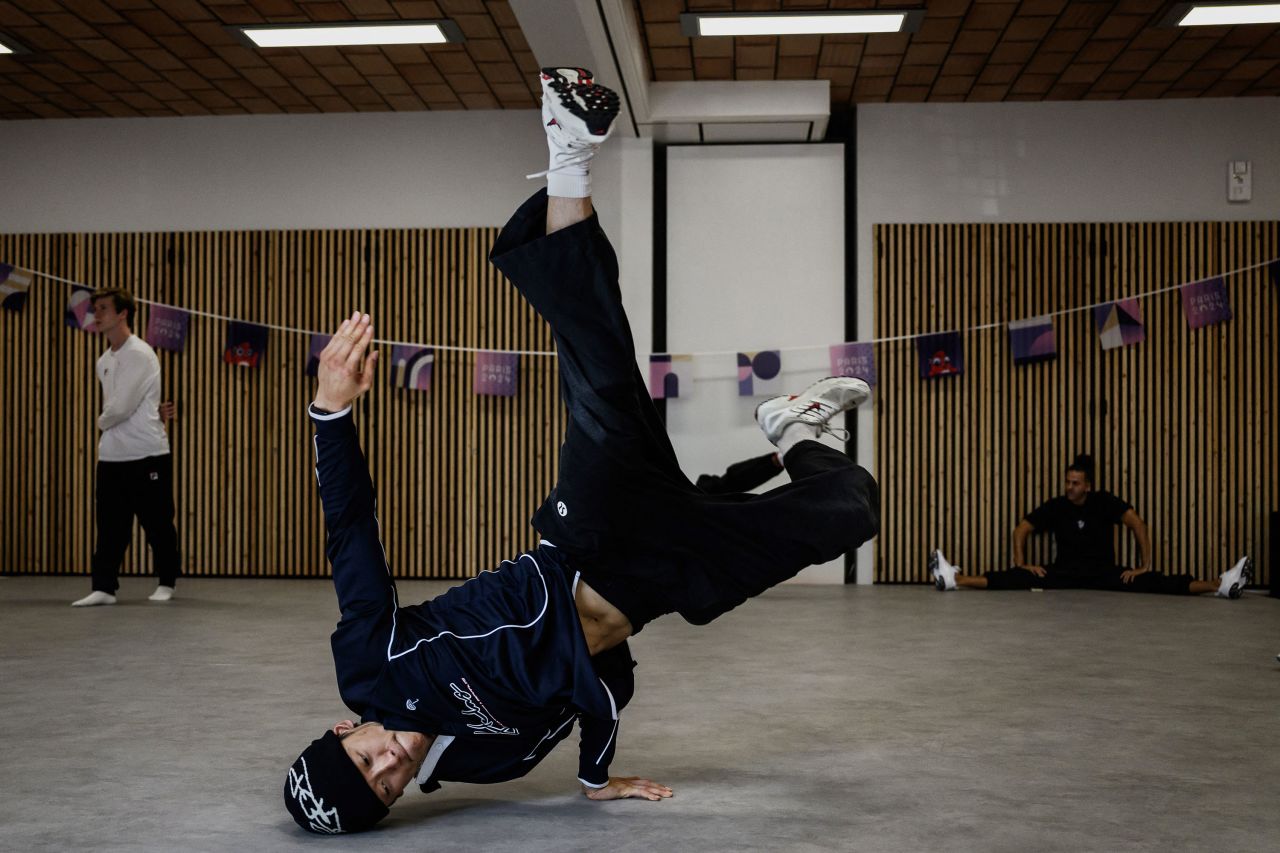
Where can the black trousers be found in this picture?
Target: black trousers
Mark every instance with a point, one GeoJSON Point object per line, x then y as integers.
{"type": "Point", "coordinates": [1090, 577]}
{"type": "Point", "coordinates": [642, 535]}
{"type": "Point", "coordinates": [142, 488]}
{"type": "Point", "coordinates": [741, 476]}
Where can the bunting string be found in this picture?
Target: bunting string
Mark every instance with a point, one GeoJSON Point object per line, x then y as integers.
{"type": "Point", "coordinates": [702, 353]}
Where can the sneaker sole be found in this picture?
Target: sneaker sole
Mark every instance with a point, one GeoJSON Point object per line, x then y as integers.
{"type": "Point", "coordinates": [578, 95]}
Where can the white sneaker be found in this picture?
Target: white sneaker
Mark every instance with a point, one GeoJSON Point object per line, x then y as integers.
{"type": "Point", "coordinates": [162, 593]}
{"type": "Point", "coordinates": [577, 115]}
{"type": "Point", "coordinates": [943, 573]}
{"type": "Point", "coordinates": [94, 599]}
{"type": "Point", "coordinates": [1234, 581]}
{"type": "Point", "coordinates": [816, 406]}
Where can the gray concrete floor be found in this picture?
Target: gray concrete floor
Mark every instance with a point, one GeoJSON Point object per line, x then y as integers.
{"type": "Point", "coordinates": [815, 718]}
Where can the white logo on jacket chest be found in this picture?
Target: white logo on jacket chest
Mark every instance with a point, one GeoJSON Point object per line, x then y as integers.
{"type": "Point", "coordinates": [1080, 524]}
{"type": "Point", "coordinates": [486, 723]}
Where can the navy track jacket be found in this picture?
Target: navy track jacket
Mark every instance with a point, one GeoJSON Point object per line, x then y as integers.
{"type": "Point", "coordinates": [497, 668]}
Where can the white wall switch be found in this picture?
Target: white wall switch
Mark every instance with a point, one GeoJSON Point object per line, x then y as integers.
{"type": "Point", "coordinates": [1239, 180]}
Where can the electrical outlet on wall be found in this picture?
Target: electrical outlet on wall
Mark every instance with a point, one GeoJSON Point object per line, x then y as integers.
{"type": "Point", "coordinates": [1239, 180]}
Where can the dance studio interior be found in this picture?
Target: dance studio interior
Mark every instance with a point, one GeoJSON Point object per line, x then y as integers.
{"type": "Point", "coordinates": [642, 425]}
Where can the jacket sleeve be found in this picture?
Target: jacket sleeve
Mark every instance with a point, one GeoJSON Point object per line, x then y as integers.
{"type": "Point", "coordinates": [596, 749]}
{"type": "Point", "coordinates": [599, 739]}
{"type": "Point", "coordinates": [361, 576]}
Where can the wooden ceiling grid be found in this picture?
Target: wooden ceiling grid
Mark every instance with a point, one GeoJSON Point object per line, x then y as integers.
{"type": "Point", "coordinates": [177, 57]}
{"type": "Point", "coordinates": [975, 50]}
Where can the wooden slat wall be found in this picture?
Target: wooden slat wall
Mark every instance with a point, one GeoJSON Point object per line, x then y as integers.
{"type": "Point", "coordinates": [457, 475]}
{"type": "Point", "coordinates": [1182, 425]}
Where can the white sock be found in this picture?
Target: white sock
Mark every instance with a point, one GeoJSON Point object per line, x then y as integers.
{"type": "Point", "coordinates": [162, 593]}
{"type": "Point", "coordinates": [793, 434]}
{"type": "Point", "coordinates": [95, 598]}
{"type": "Point", "coordinates": [571, 181]}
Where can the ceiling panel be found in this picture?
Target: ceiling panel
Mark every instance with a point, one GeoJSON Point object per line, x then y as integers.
{"type": "Point", "coordinates": [972, 50]}
{"type": "Point", "coordinates": [176, 57]}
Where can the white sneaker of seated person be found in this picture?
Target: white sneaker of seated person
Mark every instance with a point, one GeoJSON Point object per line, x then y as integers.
{"type": "Point", "coordinates": [1236, 579]}
{"type": "Point", "coordinates": [943, 573]}
{"type": "Point", "coordinates": [94, 599]}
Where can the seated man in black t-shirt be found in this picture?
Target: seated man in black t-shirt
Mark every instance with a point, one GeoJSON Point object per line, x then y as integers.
{"type": "Point", "coordinates": [1080, 521]}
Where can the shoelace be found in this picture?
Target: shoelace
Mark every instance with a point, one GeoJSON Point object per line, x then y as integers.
{"type": "Point", "coordinates": [575, 160]}
{"type": "Point", "coordinates": [825, 428]}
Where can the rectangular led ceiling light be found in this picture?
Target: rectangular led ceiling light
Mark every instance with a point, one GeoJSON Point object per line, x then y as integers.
{"type": "Point", "coordinates": [1227, 14]}
{"type": "Point", "coordinates": [335, 35]}
{"type": "Point", "coordinates": [800, 23]}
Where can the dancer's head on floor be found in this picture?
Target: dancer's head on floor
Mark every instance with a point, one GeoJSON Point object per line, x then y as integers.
{"type": "Point", "coordinates": [1079, 479]}
{"type": "Point", "coordinates": [347, 779]}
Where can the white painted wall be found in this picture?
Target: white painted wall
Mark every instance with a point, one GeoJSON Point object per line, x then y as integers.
{"type": "Point", "coordinates": [382, 170]}
{"type": "Point", "coordinates": [755, 260]}
{"type": "Point", "coordinates": [355, 170]}
{"type": "Point", "coordinates": [1055, 162]}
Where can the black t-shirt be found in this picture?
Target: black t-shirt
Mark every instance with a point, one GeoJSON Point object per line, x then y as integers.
{"type": "Point", "coordinates": [1083, 533]}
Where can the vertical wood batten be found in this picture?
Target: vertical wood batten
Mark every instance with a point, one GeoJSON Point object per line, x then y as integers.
{"type": "Point", "coordinates": [1180, 424]}
{"type": "Point", "coordinates": [457, 475]}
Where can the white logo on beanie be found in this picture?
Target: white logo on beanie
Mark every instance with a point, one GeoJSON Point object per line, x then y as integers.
{"type": "Point", "coordinates": [411, 704]}
{"type": "Point", "coordinates": [320, 818]}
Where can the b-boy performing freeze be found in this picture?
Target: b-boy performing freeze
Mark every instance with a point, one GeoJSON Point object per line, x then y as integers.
{"type": "Point", "coordinates": [480, 683]}
{"type": "Point", "coordinates": [1081, 521]}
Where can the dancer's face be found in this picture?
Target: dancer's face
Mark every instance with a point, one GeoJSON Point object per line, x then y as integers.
{"type": "Point", "coordinates": [1077, 487]}
{"type": "Point", "coordinates": [388, 760]}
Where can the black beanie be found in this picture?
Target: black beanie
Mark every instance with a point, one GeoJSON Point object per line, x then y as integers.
{"type": "Point", "coordinates": [327, 794]}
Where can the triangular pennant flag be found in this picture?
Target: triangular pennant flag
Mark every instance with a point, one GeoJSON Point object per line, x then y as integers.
{"type": "Point", "coordinates": [760, 373]}
{"type": "Point", "coordinates": [411, 367]}
{"type": "Point", "coordinates": [665, 372]}
{"type": "Point", "coordinates": [80, 309]}
{"type": "Point", "coordinates": [854, 359]}
{"type": "Point", "coordinates": [314, 348]}
{"type": "Point", "coordinates": [14, 284]}
{"type": "Point", "coordinates": [1033, 340]}
{"type": "Point", "coordinates": [1120, 323]}
{"type": "Point", "coordinates": [246, 344]}
{"type": "Point", "coordinates": [940, 355]}
{"type": "Point", "coordinates": [497, 373]}
{"type": "Point", "coordinates": [167, 327]}
{"type": "Point", "coordinates": [1205, 302]}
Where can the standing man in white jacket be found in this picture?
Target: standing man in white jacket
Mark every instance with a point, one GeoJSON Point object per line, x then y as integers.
{"type": "Point", "coordinates": [135, 474]}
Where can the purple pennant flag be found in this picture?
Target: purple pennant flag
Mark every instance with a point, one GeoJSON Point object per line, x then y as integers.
{"type": "Point", "coordinates": [317, 345]}
{"type": "Point", "coordinates": [497, 373]}
{"type": "Point", "coordinates": [14, 284]}
{"type": "Point", "coordinates": [167, 327]}
{"type": "Point", "coordinates": [940, 355]}
{"type": "Point", "coordinates": [664, 376]}
{"type": "Point", "coordinates": [1205, 302]}
{"type": "Point", "coordinates": [1120, 323]}
{"type": "Point", "coordinates": [1033, 340]}
{"type": "Point", "coordinates": [80, 309]}
{"type": "Point", "coordinates": [246, 344]}
{"type": "Point", "coordinates": [760, 373]}
{"type": "Point", "coordinates": [411, 367]}
{"type": "Point", "coordinates": [853, 359]}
